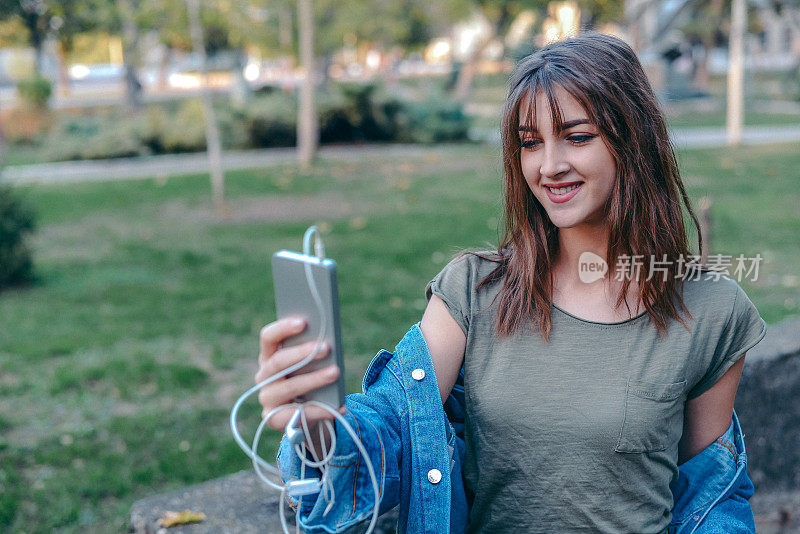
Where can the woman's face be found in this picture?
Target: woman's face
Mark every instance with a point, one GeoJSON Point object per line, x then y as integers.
{"type": "Point", "coordinates": [570, 172]}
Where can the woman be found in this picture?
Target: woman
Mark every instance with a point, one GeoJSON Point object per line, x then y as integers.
{"type": "Point", "coordinates": [583, 392]}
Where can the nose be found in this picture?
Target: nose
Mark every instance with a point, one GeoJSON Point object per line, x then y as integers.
{"type": "Point", "coordinates": [553, 163]}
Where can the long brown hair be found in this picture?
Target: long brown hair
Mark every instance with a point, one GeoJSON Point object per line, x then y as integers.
{"type": "Point", "coordinates": [644, 211]}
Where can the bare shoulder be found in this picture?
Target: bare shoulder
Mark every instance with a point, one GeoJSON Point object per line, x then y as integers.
{"type": "Point", "coordinates": [446, 343]}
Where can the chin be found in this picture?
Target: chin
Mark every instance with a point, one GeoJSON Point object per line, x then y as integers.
{"type": "Point", "coordinates": [566, 222]}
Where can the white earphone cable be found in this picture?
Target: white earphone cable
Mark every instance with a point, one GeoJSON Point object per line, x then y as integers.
{"type": "Point", "coordinates": [262, 467]}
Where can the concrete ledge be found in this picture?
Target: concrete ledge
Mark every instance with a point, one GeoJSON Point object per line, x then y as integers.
{"type": "Point", "coordinates": [235, 503]}
{"type": "Point", "coordinates": [238, 504]}
{"type": "Point", "coordinates": [782, 339]}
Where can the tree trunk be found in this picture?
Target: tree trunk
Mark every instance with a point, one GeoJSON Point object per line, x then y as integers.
{"type": "Point", "coordinates": [735, 116]}
{"type": "Point", "coordinates": [285, 28]}
{"type": "Point", "coordinates": [240, 91]}
{"type": "Point", "coordinates": [213, 146]}
{"type": "Point", "coordinates": [33, 23]}
{"type": "Point", "coordinates": [307, 126]}
{"type": "Point", "coordinates": [133, 88]}
{"type": "Point", "coordinates": [469, 68]}
{"type": "Point", "coordinates": [63, 76]}
{"type": "Point", "coordinates": [163, 69]}
{"type": "Point", "coordinates": [467, 73]}
{"type": "Point", "coordinates": [2, 145]}
{"type": "Point", "coordinates": [701, 74]}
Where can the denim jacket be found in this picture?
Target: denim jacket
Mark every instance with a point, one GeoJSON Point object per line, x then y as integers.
{"type": "Point", "coordinates": [416, 448]}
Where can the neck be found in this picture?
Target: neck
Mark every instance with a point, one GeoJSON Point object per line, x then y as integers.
{"type": "Point", "coordinates": [572, 242]}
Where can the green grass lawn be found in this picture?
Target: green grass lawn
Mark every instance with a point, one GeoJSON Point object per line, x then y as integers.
{"type": "Point", "coordinates": [118, 367]}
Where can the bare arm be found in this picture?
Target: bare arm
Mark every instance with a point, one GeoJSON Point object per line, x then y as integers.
{"type": "Point", "coordinates": [446, 342]}
{"type": "Point", "coordinates": [708, 416]}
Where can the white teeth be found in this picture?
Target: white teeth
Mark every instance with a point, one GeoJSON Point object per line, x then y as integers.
{"type": "Point", "coordinates": [562, 190]}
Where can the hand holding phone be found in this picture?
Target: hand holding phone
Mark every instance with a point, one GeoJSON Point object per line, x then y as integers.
{"type": "Point", "coordinates": [274, 357]}
{"type": "Point", "coordinates": [297, 277]}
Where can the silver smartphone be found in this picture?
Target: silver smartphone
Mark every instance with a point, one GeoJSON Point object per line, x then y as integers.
{"type": "Point", "coordinates": [293, 297]}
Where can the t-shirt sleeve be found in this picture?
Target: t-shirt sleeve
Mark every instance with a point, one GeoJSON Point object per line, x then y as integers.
{"type": "Point", "coordinates": [452, 285]}
{"type": "Point", "coordinates": [743, 330]}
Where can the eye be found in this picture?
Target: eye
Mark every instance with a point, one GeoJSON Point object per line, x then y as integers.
{"type": "Point", "coordinates": [579, 139]}
{"type": "Point", "coordinates": [530, 143]}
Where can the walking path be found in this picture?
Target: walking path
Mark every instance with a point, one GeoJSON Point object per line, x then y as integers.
{"type": "Point", "coordinates": [166, 165]}
{"type": "Point", "coordinates": [195, 163]}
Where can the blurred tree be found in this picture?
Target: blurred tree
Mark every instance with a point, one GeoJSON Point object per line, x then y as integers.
{"type": "Point", "coordinates": [789, 10]}
{"type": "Point", "coordinates": [501, 13]}
{"type": "Point", "coordinates": [62, 19]}
{"type": "Point", "coordinates": [129, 24]}
{"type": "Point", "coordinates": [704, 31]}
{"type": "Point", "coordinates": [213, 145]}
{"type": "Point", "coordinates": [12, 31]}
{"type": "Point", "coordinates": [272, 24]}
{"type": "Point", "coordinates": [69, 18]}
{"type": "Point", "coordinates": [708, 27]}
{"type": "Point", "coordinates": [409, 23]}
{"type": "Point", "coordinates": [35, 15]}
{"type": "Point", "coordinates": [307, 123]}
{"type": "Point", "coordinates": [227, 24]}
{"type": "Point", "coordinates": [2, 146]}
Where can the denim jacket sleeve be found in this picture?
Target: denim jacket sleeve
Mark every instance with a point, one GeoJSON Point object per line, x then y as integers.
{"type": "Point", "coordinates": [712, 490]}
{"type": "Point", "coordinates": [373, 416]}
{"type": "Point", "coordinates": [404, 428]}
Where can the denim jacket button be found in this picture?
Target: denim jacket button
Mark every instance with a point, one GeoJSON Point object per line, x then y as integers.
{"type": "Point", "coordinates": [418, 374]}
{"type": "Point", "coordinates": [434, 476]}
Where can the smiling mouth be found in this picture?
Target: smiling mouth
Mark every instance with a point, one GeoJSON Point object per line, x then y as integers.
{"type": "Point", "coordinates": [563, 189]}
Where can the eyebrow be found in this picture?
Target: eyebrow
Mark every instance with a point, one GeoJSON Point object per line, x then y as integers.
{"type": "Point", "coordinates": [565, 126]}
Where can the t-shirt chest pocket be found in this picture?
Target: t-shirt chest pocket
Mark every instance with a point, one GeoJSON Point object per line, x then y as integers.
{"type": "Point", "coordinates": [653, 413]}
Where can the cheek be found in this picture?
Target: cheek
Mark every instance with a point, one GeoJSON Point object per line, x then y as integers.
{"type": "Point", "coordinates": [602, 167]}
{"type": "Point", "coordinates": [610, 174]}
{"type": "Point", "coordinates": [530, 168]}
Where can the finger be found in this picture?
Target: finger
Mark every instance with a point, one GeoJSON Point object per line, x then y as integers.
{"type": "Point", "coordinates": [286, 357]}
{"type": "Point", "coordinates": [281, 418]}
{"type": "Point", "coordinates": [285, 391]}
{"type": "Point", "coordinates": [273, 334]}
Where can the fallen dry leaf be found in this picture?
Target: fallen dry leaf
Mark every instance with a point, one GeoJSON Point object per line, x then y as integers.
{"type": "Point", "coordinates": [180, 518]}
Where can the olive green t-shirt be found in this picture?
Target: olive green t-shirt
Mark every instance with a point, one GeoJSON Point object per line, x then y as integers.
{"type": "Point", "coordinates": [581, 434]}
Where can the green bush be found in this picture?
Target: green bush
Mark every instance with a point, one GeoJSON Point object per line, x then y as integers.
{"type": "Point", "coordinates": [232, 129]}
{"type": "Point", "coordinates": [372, 114]}
{"type": "Point", "coordinates": [99, 137]}
{"type": "Point", "coordinates": [271, 121]}
{"type": "Point", "coordinates": [335, 124]}
{"type": "Point", "coordinates": [364, 112]}
{"type": "Point", "coordinates": [436, 120]}
{"type": "Point", "coordinates": [347, 113]}
{"type": "Point", "coordinates": [17, 220]}
{"type": "Point", "coordinates": [186, 132]}
{"type": "Point", "coordinates": [35, 92]}
{"type": "Point", "coordinates": [152, 124]}
{"type": "Point", "coordinates": [791, 84]}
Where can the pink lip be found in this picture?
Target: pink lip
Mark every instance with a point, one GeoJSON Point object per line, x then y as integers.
{"type": "Point", "coordinates": [558, 199]}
